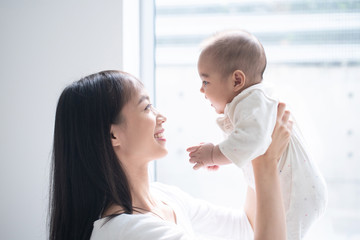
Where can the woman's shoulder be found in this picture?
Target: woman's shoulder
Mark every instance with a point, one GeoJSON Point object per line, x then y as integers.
{"type": "Point", "coordinates": [135, 226]}
{"type": "Point", "coordinates": [170, 192]}
{"type": "Point", "coordinates": [165, 188]}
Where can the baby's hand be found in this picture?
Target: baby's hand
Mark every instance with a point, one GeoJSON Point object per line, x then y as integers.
{"type": "Point", "coordinates": [202, 156]}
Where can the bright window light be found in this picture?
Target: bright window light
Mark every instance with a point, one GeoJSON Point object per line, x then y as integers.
{"type": "Point", "coordinates": [313, 52]}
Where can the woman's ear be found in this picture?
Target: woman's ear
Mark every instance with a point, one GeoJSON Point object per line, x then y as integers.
{"type": "Point", "coordinates": [239, 80]}
{"type": "Point", "coordinates": [115, 135]}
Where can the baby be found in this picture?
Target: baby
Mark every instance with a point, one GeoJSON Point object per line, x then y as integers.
{"type": "Point", "coordinates": [231, 67]}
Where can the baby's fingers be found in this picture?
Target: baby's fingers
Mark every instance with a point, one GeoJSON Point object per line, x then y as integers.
{"type": "Point", "coordinates": [193, 148]}
{"type": "Point", "coordinates": [193, 154]}
{"type": "Point", "coordinates": [192, 160]}
{"type": "Point", "coordinates": [197, 166]}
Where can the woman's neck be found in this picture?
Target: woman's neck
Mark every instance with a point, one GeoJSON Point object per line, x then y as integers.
{"type": "Point", "coordinates": [142, 199]}
{"type": "Point", "coordinates": [138, 178]}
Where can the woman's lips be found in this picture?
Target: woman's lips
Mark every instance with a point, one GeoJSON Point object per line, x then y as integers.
{"type": "Point", "coordinates": [160, 135]}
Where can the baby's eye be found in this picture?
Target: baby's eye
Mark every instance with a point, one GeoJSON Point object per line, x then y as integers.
{"type": "Point", "coordinates": [205, 83]}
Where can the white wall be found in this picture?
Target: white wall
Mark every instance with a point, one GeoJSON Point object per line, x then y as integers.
{"type": "Point", "coordinates": [44, 45]}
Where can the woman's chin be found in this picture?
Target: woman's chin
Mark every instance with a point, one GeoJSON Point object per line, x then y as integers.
{"type": "Point", "coordinates": [164, 153]}
{"type": "Point", "coordinates": [161, 153]}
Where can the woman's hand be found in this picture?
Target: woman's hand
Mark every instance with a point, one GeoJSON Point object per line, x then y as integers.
{"type": "Point", "coordinates": [269, 213]}
{"type": "Point", "coordinates": [281, 134]}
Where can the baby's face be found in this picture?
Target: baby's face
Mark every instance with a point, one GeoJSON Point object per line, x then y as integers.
{"type": "Point", "coordinates": [217, 89]}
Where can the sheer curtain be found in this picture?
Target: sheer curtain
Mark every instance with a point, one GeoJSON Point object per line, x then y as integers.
{"type": "Point", "coordinates": [313, 51]}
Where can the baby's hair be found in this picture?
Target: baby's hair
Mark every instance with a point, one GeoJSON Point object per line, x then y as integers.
{"type": "Point", "coordinates": [236, 50]}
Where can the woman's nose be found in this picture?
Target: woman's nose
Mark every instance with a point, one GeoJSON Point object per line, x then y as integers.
{"type": "Point", "coordinates": [161, 118]}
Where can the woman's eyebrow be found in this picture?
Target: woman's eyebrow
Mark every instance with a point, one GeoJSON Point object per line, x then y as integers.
{"type": "Point", "coordinates": [143, 97]}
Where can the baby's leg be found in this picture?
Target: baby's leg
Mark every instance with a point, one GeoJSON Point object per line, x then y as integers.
{"type": "Point", "coordinates": [304, 191]}
{"type": "Point", "coordinates": [307, 204]}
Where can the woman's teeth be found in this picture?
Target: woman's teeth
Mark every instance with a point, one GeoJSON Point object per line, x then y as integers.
{"type": "Point", "coordinates": [159, 135]}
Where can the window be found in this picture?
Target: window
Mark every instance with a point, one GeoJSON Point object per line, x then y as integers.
{"type": "Point", "coordinates": [313, 52]}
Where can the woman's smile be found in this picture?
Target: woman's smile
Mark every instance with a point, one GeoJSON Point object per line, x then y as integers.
{"type": "Point", "coordinates": [160, 135]}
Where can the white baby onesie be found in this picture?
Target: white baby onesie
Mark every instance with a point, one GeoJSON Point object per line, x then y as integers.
{"type": "Point", "coordinates": [248, 122]}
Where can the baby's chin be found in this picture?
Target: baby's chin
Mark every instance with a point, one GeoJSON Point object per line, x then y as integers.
{"type": "Point", "coordinates": [219, 111]}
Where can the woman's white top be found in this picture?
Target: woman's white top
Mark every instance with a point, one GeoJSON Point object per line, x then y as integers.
{"type": "Point", "coordinates": [195, 219]}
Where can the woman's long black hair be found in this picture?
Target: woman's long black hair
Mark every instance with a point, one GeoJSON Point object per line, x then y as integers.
{"type": "Point", "coordinates": [86, 175]}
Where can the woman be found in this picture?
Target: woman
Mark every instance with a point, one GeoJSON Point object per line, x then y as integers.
{"type": "Point", "coordinates": [106, 133]}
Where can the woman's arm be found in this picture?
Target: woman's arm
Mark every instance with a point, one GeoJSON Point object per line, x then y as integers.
{"type": "Point", "coordinates": [269, 222]}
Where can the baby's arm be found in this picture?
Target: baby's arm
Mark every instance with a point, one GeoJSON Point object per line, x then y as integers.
{"type": "Point", "coordinates": [207, 155]}
{"type": "Point", "coordinates": [253, 119]}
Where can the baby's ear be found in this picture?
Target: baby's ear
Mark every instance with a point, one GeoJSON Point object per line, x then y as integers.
{"type": "Point", "coordinates": [239, 80]}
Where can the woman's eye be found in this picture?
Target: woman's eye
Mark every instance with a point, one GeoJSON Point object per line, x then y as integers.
{"type": "Point", "coordinates": [205, 83]}
{"type": "Point", "coordinates": [149, 106]}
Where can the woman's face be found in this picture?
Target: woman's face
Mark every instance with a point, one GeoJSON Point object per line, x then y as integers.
{"type": "Point", "coordinates": [141, 132]}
